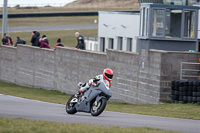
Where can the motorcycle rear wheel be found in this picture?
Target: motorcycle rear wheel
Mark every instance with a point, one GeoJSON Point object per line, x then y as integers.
{"type": "Point", "coordinates": [70, 108]}
{"type": "Point", "coordinates": [98, 108]}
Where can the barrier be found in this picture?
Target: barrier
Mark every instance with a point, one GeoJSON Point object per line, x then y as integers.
{"type": "Point", "coordinates": [185, 91]}
{"type": "Point", "coordinates": [189, 70]}
{"type": "Point", "coordinates": [139, 78]}
{"type": "Point", "coordinates": [52, 14]}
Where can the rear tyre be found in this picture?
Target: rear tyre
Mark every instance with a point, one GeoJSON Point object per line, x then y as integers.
{"type": "Point", "coordinates": [98, 108]}
{"type": "Point", "coordinates": [70, 107]}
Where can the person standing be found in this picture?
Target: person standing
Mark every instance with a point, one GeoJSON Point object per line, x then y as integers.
{"type": "Point", "coordinates": [37, 42]}
{"type": "Point", "coordinates": [34, 37]}
{"type": "Point", "coordinates": [81, 42]}
{"type": "Point", "coordinates": [7, 40]}
{"type": "Point", "coordinates": [59, 43]}
{"type": "Point", "coordinates": [43, 44]}
{"type": "Point", "coordinates": [44, 37]}
{"type": "Point", "coordinates": [19, 41]}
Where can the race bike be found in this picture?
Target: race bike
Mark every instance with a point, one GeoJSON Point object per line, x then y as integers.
{"type": "Point", "coordinates": [93, 101]}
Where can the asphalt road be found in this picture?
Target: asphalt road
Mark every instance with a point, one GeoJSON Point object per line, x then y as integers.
{"type": "Point", "coordinates": [11, 106]}
{"type": "Point", "coordinates": [51, 27]}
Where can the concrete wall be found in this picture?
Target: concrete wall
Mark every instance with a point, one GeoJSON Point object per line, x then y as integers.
{"type": "Point", "coordinates": [139, 78]}
{"type": "Point", "coordinates": [8, 64]}
{"type": "Point", "coordinates": [171, 62]}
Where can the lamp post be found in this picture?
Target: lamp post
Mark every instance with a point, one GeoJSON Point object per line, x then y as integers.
{"type": "Point", "coordinates": [5, 15]}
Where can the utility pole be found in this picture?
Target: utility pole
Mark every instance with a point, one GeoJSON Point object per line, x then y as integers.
{"type": "Point", "coordinates": [5, 16]}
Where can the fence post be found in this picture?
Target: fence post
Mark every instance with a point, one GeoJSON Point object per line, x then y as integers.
{"type": "Point", "coordinates": [5, 16]}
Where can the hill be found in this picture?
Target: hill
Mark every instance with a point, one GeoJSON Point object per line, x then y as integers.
{"type": "Point", "coordinates": [108, 4]}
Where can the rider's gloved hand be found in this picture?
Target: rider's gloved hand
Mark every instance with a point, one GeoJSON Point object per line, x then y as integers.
{"type": "Point", "coordinates": [80, 91]}
{"type": "Point", "coordinates": [91, 82]}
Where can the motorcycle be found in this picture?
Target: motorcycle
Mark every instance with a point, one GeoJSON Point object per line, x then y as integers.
{"type": "Point", "coordinates": [93, 101]}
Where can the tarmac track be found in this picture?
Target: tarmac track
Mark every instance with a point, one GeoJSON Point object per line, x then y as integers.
{"type": "Point", "coordinates": [16, 107]}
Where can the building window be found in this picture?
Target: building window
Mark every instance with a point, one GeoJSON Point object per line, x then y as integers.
{"type": "Point", "coordinates": [168, 22]}
{"type": "Point", "coordinates": [180, 2]}
{"type": "Point", "coordinates": [191, 2]}
{"type": "Point", "coordinates": [174, 2]}
{"type": "Point", "coordinates": [91, 46]}
{"type": "Point", "coordinates": [142, 11]}
{"type": "Point", "coordinates": [158, 22]}
{"type": "Point", "coordinates": [102, 44]}
{"type": "Point", "coordinates": [144, 22]}
{"type": "Point", "coordinates": [119, 43]}
{"type": "Point", "coordinates": [111, 43]}
{"type": "Point", "coordinates": [129, 44]}
{"type": "Point", "coordinates": [189, 24]}
{"type": "Point", "coordinates": [173, 23]}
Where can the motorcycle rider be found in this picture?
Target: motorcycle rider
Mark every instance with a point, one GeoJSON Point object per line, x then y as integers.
{"type": "Point", "coordinates": [106, 77]}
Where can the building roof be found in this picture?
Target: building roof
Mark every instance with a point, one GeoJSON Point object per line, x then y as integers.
{"type": "Point", "coordinates": [131, 12]}
{"type": "Point", "coordinates": [168, 6]}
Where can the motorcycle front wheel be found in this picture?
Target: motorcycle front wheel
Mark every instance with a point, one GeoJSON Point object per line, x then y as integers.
{"type": "Point", "coordinates": [70, 107]}
{"type": "Point", "coordinates": [98, 107]}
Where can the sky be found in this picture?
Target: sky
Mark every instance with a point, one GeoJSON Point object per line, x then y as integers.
{"type": "Point", "coordinates": [12, 3]}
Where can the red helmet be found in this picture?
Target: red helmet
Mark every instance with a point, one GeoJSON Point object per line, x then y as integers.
{"type": "Point", "coordinates": [108, 74]}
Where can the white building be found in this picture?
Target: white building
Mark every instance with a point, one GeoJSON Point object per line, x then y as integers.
{"type": "Point", "coordinates": [118, 30]}
{"type": "Point", "coordinates": [91, 43]}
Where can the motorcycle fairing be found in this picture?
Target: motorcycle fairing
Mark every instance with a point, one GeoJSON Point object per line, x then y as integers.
{"type": "Point", "coordinates": [90, 95]}
{"type": "Point", "coordinates": [86, 104]}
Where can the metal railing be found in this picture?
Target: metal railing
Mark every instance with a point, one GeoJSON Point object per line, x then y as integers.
{"type": "Point", "coordinates": [193, 70]}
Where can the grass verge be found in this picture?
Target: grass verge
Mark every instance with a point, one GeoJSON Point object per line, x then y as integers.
{"type": "Point", "coordinates": [19, 125]}
{"type": "Point", "coordinates": [187, 111]}
{"type": "Point", "coordinates": [44, 21]}
{"type": "Point", "coordinates": [33, 93]}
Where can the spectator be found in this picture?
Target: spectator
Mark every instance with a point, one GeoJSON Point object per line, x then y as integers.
{"type": "Point", "coordinates": [44, 37]}
{"type": "Point", "coordinates": [34, 37]}
{"type": "Point", "coordinates": [59, 43]}
{"type": "Point", "coordinates": [81, 43]}
{"type": "Point", "coordinates": [19, 41]}
{"type": "Point", "coordinates": [7, 40]}
{"type": "Point", "coordinates": [43, 44]}
{"type": "Point", "coordinates": [37, 42]}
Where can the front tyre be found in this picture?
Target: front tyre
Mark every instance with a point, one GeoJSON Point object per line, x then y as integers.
{"type": "Point", "coordinates": [98, 107]}
{"type": "Point", "coordinates": [70, 107]}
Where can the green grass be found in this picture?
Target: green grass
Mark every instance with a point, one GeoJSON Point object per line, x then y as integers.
{"type": "Point", "coordinates": [47, 21]}
{"type": "Point", "coordinates": [33, 93]}
{"type": "Point", "coordinates": [19, 125]}
{"type": "Point", "coordinates": [187, 111]}
{"type": "Point", "coordinates": [67, 36]}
